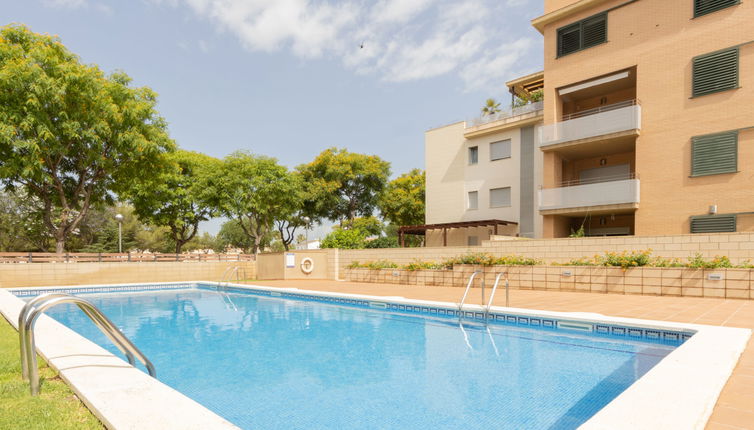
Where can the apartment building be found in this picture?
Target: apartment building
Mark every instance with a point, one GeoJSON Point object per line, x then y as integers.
{"type": "Point", "coordinates": [483, 175]}
{"type": "Point", "coordinates": [647, 118]}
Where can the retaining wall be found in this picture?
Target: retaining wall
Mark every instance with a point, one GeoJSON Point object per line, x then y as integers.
{"type": "Point", "coordinates": [51, 274]}
{"type": "Point", "coordinates": [722, 283]}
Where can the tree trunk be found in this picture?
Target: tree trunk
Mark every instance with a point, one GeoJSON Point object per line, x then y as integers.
{"type": "Point", "coordinates": [59, 245]}
{"type": "Point", "coordinates": [178, 246]}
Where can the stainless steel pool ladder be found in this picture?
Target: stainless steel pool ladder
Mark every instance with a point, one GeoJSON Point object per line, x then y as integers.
{"type": "Point", "coordinates": [38, 305]}
{"type": "Point", "coordinates": [468, 287]}
{"type": "Point", "coordinates": [227, 274]}
{"type": "Point", "coordinates": [494, 288]}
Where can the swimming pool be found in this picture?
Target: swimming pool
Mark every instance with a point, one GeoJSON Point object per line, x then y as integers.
{"type": "Point", "coordinates": [267, 359]}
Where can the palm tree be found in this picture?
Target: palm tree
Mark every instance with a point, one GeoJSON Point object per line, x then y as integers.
{"type": "Point", "coordinates": [491, 107]}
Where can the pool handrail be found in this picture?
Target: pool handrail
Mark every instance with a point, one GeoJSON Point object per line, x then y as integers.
{"type": "Point", "coordinates": [468, 287]}
{"type": "Point", "coordinates": [33, 309]}
{"type": "Point", "coordinates": [494, 288]}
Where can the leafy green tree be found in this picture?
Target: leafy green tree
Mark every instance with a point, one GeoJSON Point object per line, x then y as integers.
{"type": "Point", "coordinates": [69, 135]}
{"type": "Point", "coordinates": [253, 190]}
{"type": "Point", "coordinates": [491, 107]}
{"type": "Point", "coordinates": [231, 234]}
{"type": "Point", "coordinates": [403, 201]}
{"type": "Point", "coordinates": [171, 197]}
{"type": "Point", "coordinates": [369, 225]}
{"type": "Point", "coordinates": [342, 185]}
{"type": "Point", "coordinates": [21, 227]}
{"type": "Point", "coordinates": [344, 239]}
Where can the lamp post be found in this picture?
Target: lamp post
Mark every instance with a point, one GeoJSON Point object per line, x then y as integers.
{"type": "Point", "coordinates": [307, 220]}
{"type": "Point", "coordinates": [119, 218]}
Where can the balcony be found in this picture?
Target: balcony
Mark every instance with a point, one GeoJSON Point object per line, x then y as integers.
{"type": "Point", "coordinates": [617, 193]}
{"type": "Point", "coordinates": [531, 112]}
{"type": "Point", "coordinates": [616, 120]}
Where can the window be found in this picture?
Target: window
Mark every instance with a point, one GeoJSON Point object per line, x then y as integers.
{"type": "Point", "coordinates": [703, 7]}
{"type": "Point", "coordinates": [583, 34]}
{"type": "Point", "coordinates": [500, 197]}
{"type": "Point", "coordinates": [713, 154]}
{"type": "Point", "coordinates": [500, 150]}
{"type": "Point", "coordinates": [472, 240]}
{"type": "Point", "coordinates": [473, 200]}
{"type": "Point", "coordinates": [713, 224]}
{"type": "Point", "coordinates": [473, 155]}
{"type": "Point", "coordinates": [715, 72]}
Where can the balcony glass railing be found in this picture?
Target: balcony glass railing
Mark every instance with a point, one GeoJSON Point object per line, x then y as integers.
{"type": "Point", "coordinates": [486, 119]}
{"type": "Point", "coordinates": [590, 194]}
{"type": "Point", "coordinates": [600, 121]}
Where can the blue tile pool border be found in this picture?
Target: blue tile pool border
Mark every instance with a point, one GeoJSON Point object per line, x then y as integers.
{"type": "Point", "coordinates": [654, 335]}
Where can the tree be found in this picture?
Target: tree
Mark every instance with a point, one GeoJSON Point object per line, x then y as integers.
{"type": "Point", "coordinates": [253, 190]}
{"type": "Point", "coordinates": [69, 135]}
{"type": "Point", "coordinates": [342, 185]}
{"type": "Point", "coordinates": [491, 107]}
{"type": "Point", "coordinates": [21, 227]}
{"type": "Point", "coordinates": [171, 197]}
{"type": "Point", "coordinates": [369, 225]}
{"type": "Point", "coordinates": [402, 203]}
{"type": "Point", "coordinates": [344, 239]}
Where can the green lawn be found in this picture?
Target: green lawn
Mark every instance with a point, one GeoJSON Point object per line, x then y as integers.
{"type": "Point", "coordinates": [56, 407]}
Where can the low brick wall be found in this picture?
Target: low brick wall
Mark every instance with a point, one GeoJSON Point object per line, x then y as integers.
{"type": "Point", "coordinates": [656, 281]}
{"type": "Point", "coordinates": [52, 274]}
{"type": "Point", "coordinates": [739, 247]}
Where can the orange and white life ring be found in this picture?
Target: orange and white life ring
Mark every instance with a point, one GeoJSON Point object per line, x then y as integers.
{"type": "Point", "coordinates": [307, 265]}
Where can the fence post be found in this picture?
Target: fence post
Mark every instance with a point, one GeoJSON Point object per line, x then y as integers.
{"type": "Point", "coordinates": [129, 256]}
{"type": "Point", "coordinates": [66, 257]}
{"type": "Point", "coordinates": [99, 257]}
{"type": "Point", "coordinates": [31, 257]}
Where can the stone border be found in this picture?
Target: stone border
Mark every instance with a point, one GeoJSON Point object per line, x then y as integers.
{"type": "Point", "coordinates": [651, 281]}
{"type": "Point", "coordinates": [119, 395]}
{"type": "Point", "coordinates": [680, 392]}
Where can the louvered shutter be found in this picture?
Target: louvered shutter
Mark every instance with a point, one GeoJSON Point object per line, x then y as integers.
{"type": "Point", "coordinates": [713, 154]}
{"type": "Point", "coordinates": [703, 7]}
{"type": "Point", "coordinates": [715, 72]}
{"type": "Point", "coordinates": [594, 31]}
{"type": "Point", "coordinates": [713, 224]}
{"type": "Point", "coordinates": [569, 39]}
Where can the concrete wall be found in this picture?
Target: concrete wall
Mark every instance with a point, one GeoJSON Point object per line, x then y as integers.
{"type": "Point", "coordinates": [733, 283]}
{"type": "Point", "coordinates": [660, 38]}
{"type": "Point", "coordinates": [273, 265]}
{"type": "Point", "coordinates": [52, 274]}
{"type": "Point", "coordinates": [739, 247]}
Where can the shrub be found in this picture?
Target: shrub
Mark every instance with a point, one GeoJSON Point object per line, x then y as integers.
{"type": "Point", "coordinates": [344, 239]}
{"type": "Point", "coordinates": [718, 262]}
{"type": "Point", "coordinates": [381, 264]}
{"type": "Point", "coordinates": [423, 265]}
{"type": "Point", "coordinates": [583, 261]}
{"type": "Point", "coordinates": [516, 260]}
{"type": "Point", "coordinates": [625, 259]}
{"type": "Point", "coordinates": [382, 242]}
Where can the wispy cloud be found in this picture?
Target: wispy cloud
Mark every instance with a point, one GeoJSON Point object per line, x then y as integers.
{"type": "Point", "coordinates": [72, 4]}
{"type": "Point", "coordinates": [395, 40]}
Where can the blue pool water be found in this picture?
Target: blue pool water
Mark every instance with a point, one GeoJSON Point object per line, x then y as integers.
{"type": "Point", "coordinates": [274, 363]}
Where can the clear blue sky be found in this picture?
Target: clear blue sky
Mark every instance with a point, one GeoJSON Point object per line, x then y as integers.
{"type": "Point", "coordinates": [288, 78]}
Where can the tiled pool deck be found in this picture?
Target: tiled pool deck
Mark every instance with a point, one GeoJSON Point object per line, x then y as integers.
{"type": "Point", "coordinates": [735, 407]}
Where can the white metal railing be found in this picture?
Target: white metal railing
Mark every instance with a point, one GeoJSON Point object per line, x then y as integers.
{"type": "Point", "coordinates": [517, 111]}
{"type": "Point", "coordinates": [605, 120]}
{"type": "Point", "coordinates": [597, 194]}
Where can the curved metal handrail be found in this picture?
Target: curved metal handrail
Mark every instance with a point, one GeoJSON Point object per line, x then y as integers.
{"type": "Point", "coordinates": [32, 311]}
{"type": "Point", "coordinates": [468, 287]}
{"type": "Point", "coordinates": [230, 271]}
{"type": "Point", "coordinates": [494, 288]}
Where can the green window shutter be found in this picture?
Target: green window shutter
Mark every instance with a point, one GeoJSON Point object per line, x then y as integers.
{"type": "Point", "coordinates": [703, 7]}
{"type": "Point", "coordinates": [594, 31]}
{"type": "Point", "coordinates": [583, 34]}
{"type": "Point", "coordinates": [713, 154]}
{"type": "Point", "coordinates": [713, 224]}
{"type": "Point", "coordinates": [569, 39]}
{"type": "Point", "coordinates": [715, 72]}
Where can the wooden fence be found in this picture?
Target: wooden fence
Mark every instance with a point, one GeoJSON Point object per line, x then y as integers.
{"type": "Point", "coordinates": [126, 257]}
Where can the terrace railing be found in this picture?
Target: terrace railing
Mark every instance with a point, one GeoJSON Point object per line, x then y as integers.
{"type": "Point", "coordinates": [517, 111]}
{"type": "Point", "coordinates": [126, 257]}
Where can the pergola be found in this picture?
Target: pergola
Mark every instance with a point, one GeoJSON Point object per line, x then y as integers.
{"type": "Point", "coordinates": [421, 230]}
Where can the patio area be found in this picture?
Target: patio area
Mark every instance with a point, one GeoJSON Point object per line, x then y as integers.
{"type": "Point", "coordinates": [735, 407]}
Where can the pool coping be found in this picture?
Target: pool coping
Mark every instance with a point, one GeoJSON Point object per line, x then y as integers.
{"type": "Point", "coordinates": [680, 392]}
